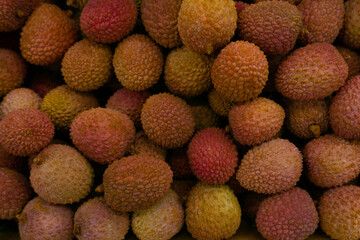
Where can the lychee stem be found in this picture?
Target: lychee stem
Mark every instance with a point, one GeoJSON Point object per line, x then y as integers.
{"type": "Point", "coordinates": [315, 129]}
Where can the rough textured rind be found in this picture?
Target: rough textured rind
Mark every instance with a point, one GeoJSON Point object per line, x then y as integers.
{"type": "Point", "coordinates": [256, 121]}
{"type": "Point", "coordinates": [288, 215]}
{"type": "Point", "coordinates": [15, 192]}
{"type": "Point", "coordinates": [62, 104]}
{"type": "Point", "coordinates": [13, 70]}
{"type": "Point", "coordinates": [218, 103]}
{"type": "Point", "coordinates": [240, 71]}
{"type": "Point", "coordinates": [42, 220]}
{"type": "Point", "coordinates": [167, 120]}
{"type": "Point", "coordinates": [25, 131]}
{"type": "Point", "coordinates": [271, 167]}
{"type": "Point", "coordinates": [19, 98]}
{"type": "Point", "coordinates": [290, 1]}
{"type": "Point", "coordinates": [47, 34]}
{"type": "Point", "coordinates": [339, 212]}
{"type": "Point", "coordinates": [138, 62]}
{"type": "Point", "coordinates": [322, 20]}
{"type": "Point", "coordinates": [352, 59]}
{"type": "Point", "coordinates": [145, 147]}
{"type": "Point", "coordinates": [94, 220]}
{"type": "Point", "coordinates": [102, 134]}
{"type": "Point", "coordinates": [350, 34]}
{"type": "Point", "coordinates": [61, 175]}
{"type": "Point", "coordinates": [205, 26]}
{"type": "Point", "coordinates": [160, 19]}
{"type": "Point", "coordinates": [344, 110]}
{"type": "Point", "coordinates": [274, 26]}
{"type": "Point", "coordinates": [108, 21]}
{"type": "Point", "coordinates": [187, 73]}
{"type": "Point", "coordinates": [204, 117]}
{"type": "Point", "coordinates": [212, 155]}
{"type": "Point", "coordinates": [212, 212]}
{"type": "Point", "coordinates": [331, 161]}
{"type": "Point", "coordinates": [161, 221]}
{"type": "Point", "coordinates": [128, 102]}
{"type": "Point", "coordinates": [87, 65]}
{"type": "Point", "coordinates": [136, 182]}
{"type": "Point", "coordinates": [307, 119]}
{"type": "Point", "coordinates": [311, 72]}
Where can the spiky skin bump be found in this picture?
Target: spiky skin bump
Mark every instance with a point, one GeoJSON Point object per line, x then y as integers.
{"type": "Point", "coordinates": [62, 104]}
{"type": "Point", "coordinates": [289, 215]}
{"type": "Point", "coordinates": [25, 132]}
{"type": "Point", "coordinates": [256, 121]}
{"type": "Point", "coordinates": [87, 65]}
{"type": "Point", "coordinates": [161, 221]}
{"type": "Point", "coordinates": [212, 212]}
{"type": "Point", "coordinates": [160, 19]}
{"type": "Point", "coordinates": [13, 14]}
{"type": "Point", "coordinates": [15, 192]}
{"type": "Point", "coordinates": [136, 182]}
{"type": "Point", "coordinates": [350, 35]}
{"type": "Point", "coordinates": [187, 73]}
{"type": "Point", "coordinates": [204, 117]}
{"type": "Point", "coordinates": [102, 134]}
{"type": "Point", "coordinates": [339, 212]}
{"type": "Point", "coordinates": [43, 220]}
{"type": "Point", "coordinates": [272, 25]}
{"type": "Point", "coordinates": [94, 220]}
{"type": "Point", "coordinates": [47, 34]}
{"type": "Point", "coordinates": [138, 62]}
{"type": "Point", "coordinates": [352, 59]}
{"type": "Point", "coordinates": [128, 102]}
{"type": "Point", "coordinates": [179, 163]}
{"type": "Point", "coordinates": [145, 147]}
{"type": "Point", "coordinates": [271, 167]}
{"type": "Point", "coordinates": [311, 72]}
{"type": "Point", "coordinates": [10, 161]}
{"type": "Point", "coordinates": [307, 119]}
{"type": "Point", "coordinates": [322, 20]}
{"type": "Point", "coordinates": [13, 70]}
{"type": "Point", "coordinates": [240, 71]}
{"type": "Point", "coordinates": [218, 103]}
{"type": "Point", "coordinates": [167, 120]}
{"type": "Point", "coordinates": [61, 175]}
{"type": "Point", "coordinates": [344, 110]}
{"type": "Point", "coordinates": [19, 98]}
{"type": "Point", "coordinates": [331, 161]}
{"type": "Point", "coordinates": [212, 155]}
{"type": "Point", "coordinates": [208, 28]}
{"type": "Point", "coordinates": [108, 21]}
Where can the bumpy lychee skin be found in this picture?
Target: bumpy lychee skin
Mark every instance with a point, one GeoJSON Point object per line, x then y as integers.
{"type": "Point", "coordinates": [13, 70]}
{"type": "Point", "coordinates": [272, 25]}
{"type": "Point", "coordinates": [212, 212]}
{"type": "Point", "coordinates": [102, 134]}
{"type": "Point", "coordinates": [339, 212]}
{"type": "Point", "coordinates": [350, 35]}
{"type": "Point", "coordinates": [271, 167]}
{"type": "Point", "coordinates": [208, 28]}
{"type": "Point", "coordinates": [288, 215]}
{"type": "Point", "coordinates": [167, 120]}
{"type": "Point", "coordinates": [14, 13]}
{"type": "Point", "coordinates": [322, 20]}
{"type": "Point", "coordinates": [218, 103]}
{"type": "Point", "coordinates": [352, 59]}
{"type": "Point", "coordinates": [94, 220]}
{"type": "Point", "coordinates": [212, 156]}
{"type": "Point", "coordinates": [136, 182]}
{"type": "Point", "coordinates": [87, 65]}
{"type": "Point", "coordinates": [61, 175]}
{"type": "Point", "coordinates": [311, 72]}
{"type": "Point", "coordinates": [15, 192]}
{"type": "Point", "coordinates": [331, 161]}
{"type": "Point", "coordinates": [160, 19]}
{"type": "Point", "coordinates": [25, 131]}
{"type": "Point", "coordinates": [256, 121]}
{"type": "Point", "coordinates": [204, 117]}
{"type": "Point", "coordinates": [108, 21]}
{"type": "Point", "coordinates": [47, 34]}
{"type": "Point", "coordinates": [43, 220]}
{"type": "Point", "coordinates": [161, 221]}
{"type": "Point", "coordinates": [344, 110]}
{"type": "Point", "coordinates": [138, 62]}
{"type": "Point", "coordinates": [240, 71]}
